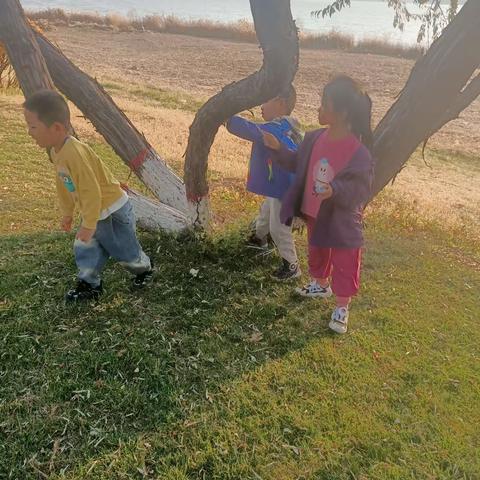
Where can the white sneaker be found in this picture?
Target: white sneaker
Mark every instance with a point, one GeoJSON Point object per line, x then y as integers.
{"type": "Point", "coordinates": [313, 289]}
{"type": "Point", "coordinates": [339, 321]}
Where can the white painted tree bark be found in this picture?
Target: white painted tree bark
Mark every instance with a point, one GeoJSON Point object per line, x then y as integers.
{"type": "Point", "coordinates": [155, 216]}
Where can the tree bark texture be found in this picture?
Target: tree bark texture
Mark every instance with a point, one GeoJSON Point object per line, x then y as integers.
{"type": "Point", "coordinates": [22, 49]}
{"type": "Point", "coordinates": [154, 216]}
{"type": "Point", "coordinates": [437, 90]}
{"type": "Point", "coordinates": [128, 143]}
{"type": "Point", "coordinates": [278, 38]}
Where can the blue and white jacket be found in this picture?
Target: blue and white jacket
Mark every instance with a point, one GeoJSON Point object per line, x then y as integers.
{"type": "Point", "coordinates": [265, 177]}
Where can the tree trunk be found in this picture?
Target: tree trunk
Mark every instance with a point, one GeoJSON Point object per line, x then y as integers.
{"type": "Point", "coordinates": [33, 75]}
{"type": "Point", "coordinates": [436, 92]}
{"type": "Point", "coordinates": [22, 49]}
{"type": "Point", "coordinates": [129, 144]}
{"type": "Point", "coordinates": [155, 216]}
{"type": "Point", "coordinates": [277, 34]}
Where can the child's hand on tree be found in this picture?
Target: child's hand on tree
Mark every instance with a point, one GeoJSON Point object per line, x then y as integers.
{"type": "Point", "coordinates": [66, 224]}
{"type": "Point", "coordinates": [85, 234]}
{"type": "Point", "coordinates": [271, 141]}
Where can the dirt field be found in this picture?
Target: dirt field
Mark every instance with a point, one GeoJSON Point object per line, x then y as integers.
{"type": "Point", "coordinates": [201, 67]}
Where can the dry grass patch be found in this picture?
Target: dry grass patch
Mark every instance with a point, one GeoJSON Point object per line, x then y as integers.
{"type": "Point", "coordinates": [445, 190]}
{"type": "Point", "coordinates": [240, 31]}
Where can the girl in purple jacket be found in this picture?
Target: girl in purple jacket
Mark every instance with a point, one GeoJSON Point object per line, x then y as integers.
{"type": "Point", "coordinates": [334, 173]}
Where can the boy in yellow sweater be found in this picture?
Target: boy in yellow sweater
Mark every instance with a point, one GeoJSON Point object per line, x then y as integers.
{"type": "Point", "coordinates": [108, 221]}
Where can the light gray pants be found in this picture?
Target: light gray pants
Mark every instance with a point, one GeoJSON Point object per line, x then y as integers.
{"type": "Point", "coordinates": [268, 221]}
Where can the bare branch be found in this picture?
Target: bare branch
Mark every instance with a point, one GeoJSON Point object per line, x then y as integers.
{"type": "Point", "coordinates": [127, 142]}
{"type": "Point", "coordinates": [431, 15]}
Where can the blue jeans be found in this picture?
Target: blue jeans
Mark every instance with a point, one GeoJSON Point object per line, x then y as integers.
{"type": "Point", "coordinates": [114, 237]}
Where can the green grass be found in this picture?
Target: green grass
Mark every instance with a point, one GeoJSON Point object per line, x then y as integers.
{"type": "Point", "coordinates": [451, 158]}
{"type": "Point", "coordinates": [226, 375]}
{"type": "Point", "coordinates": [165, 98]}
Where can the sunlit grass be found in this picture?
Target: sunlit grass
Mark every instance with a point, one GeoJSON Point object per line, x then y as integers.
{"type": "Point", "coordinates": [225, 374]}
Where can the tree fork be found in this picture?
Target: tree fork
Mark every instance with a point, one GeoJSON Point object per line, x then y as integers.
{"type": "Point", "coordinates": [278, 38]}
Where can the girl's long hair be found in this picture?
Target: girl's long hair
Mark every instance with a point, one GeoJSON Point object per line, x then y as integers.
{"type": "Point", "coordinates": [348, 97]}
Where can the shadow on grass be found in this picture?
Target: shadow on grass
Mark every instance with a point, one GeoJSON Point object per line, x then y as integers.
{"type": "Point", "coordinates": [78, 381]}
{"type": "Point", "coordinates": [161, 380]}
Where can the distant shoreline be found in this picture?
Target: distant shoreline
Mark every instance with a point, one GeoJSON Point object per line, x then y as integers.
{"type": "Point", "coordinates": [241, 31]}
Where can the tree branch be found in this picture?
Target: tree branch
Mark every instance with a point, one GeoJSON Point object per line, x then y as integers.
{"type": "Point", "coordinates": [277, 34]}
{"type": "Point", "coordinates": [22, 49]}
{"type": "Point", "coordinates": [459, 104]}
{"type": "Point", "coordinates": [432, 95]}
{"type": "Point", "coordinates": [127, 142]}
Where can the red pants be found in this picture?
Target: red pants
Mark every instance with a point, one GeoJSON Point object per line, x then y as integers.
{"type": "Point", "coordinates": [342, 264]}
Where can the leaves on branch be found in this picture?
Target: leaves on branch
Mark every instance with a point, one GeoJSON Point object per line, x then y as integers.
{"type": "Point", "coordinates": [331, 9]}
{"type": "Point", "coordinates": [433, 16]}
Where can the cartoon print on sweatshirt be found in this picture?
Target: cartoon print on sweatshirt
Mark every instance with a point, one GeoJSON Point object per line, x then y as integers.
{"type": "Point", "coordinates": [323, 174]}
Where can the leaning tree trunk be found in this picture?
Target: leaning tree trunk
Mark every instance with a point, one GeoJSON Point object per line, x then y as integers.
{"type": "Point", "coordinates": [22, 49]}
{"type": "Point", "coordinates": [129, 144]}
{"type": "Point", "coordinates": [25, 48]}
{"type": "Point", "coordinates": [32, 72]}
{"type": "Point", "coordinates": [278, 37]}
{"type": "Point", "coordinates": [436, 92]}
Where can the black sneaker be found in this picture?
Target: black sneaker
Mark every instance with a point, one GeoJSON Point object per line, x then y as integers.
{"type": "Point", "coordinates": [144, 278]}
{"type": "Point", "coordinates": [83, 291]}
{"type": "Point", "coordinates": [254, 242]}
{"type": "Point", "coordinates": [287, 271]}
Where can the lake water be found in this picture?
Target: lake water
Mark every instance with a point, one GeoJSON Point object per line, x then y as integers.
{"type": "Point", "coordinates": [364, 19]}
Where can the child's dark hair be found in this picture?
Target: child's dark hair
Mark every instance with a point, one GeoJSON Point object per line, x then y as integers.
{"type": "Point", "coordinates": [347, 96]}
{"type": "Point", "coordinates": [289, 95]}
{"type": "Point", "coordinates": [50, 107]}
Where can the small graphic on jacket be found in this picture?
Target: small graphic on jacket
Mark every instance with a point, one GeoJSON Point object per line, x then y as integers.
{"type": "Point", "coordinates": [270, 169]}
{"type": "Point", "coordinates": [67, 181]}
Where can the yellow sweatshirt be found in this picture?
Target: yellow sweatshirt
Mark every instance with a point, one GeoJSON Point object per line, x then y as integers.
{"type": "Point", "coordinates": [82, 179]}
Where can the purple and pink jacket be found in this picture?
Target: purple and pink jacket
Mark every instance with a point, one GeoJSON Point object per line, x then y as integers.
{"type": "Point", "coordinates": [339, 223]}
